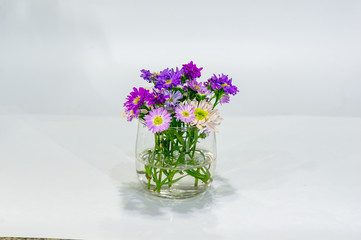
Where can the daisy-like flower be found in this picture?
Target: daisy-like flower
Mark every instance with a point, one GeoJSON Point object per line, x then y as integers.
{"type": "Point", "coordinates": [153, 96]}
{"type": "Point", "coordinates": [158, 120]}
{"type": "Point", "coordinates": [191, 71]}
{"type": "Point", "coordinates": [204, 91]}
{"type": "Point", "coordinates": [194, 85]}
{"type": "Point", "coordinates": [149, 99]}
{"type": "Point", "coordinates": [146, 75]}
{"type": "Point", "coordinates": [136, 98]}
{"type": "Point", "coordinates": [222, 81]}
{"type": "Point", "coordinates": [198, 87]}
{"type": "Point", "coordinates": [163, 74]}
{"type": "Point", "coordinates": [130, 114]}
{"type": "Point", "coordinates": [173, 98]}
{"type": "Point", "coordinates": [185, 113]}
{"type": "Point", "coordinates": [205, 116]}
{"type": "Point", "coordinates": [168, 79]}
{"type": "Point", "coordinates": [158, 96]}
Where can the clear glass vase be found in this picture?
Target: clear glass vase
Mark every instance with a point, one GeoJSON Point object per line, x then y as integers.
{"type": "Point", "coordinates": [176, 163]}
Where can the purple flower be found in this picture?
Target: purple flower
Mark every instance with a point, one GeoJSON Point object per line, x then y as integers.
{"type": "Point", "coordinates": [168, 78]}
{"type": "Point", "coordinates": [146, 75]}
{"type": "Point", "coordinates": [158, 96]}
{"type": "Point", "coordinates": [194, 85]}
{"type": "Point", "coordinates": [191, 71]}
{"type": "Point", "coordinates": [204, 91]}
{"type": "Point", "coordinates": [198, 87]}
{"type": "Point", "coordinates": [155, 97]}
{"type": "Point", "coordinates": [130, 114]}
{"type": "Point", "coordinates": [173, 98]}
{"type": "Point", "coordinates": [149, 99]}
{"type": "Point", "coordinates": [136, 99]}
{"type": "Point", "coordinates": [163, 74]}
{"type": "Point", "coordinates": [222, 82]}
{"type": "Point", "coordinates": [185, 113]}
{"type": "Point", "coordinates": [224, 99]}
{"type": "Point", "coordinates": [158, 120]}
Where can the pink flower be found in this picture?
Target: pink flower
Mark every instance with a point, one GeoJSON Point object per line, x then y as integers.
{"type": "Point", "coordinates": [158, 120]}
{"type": "Point", "coordinates": [185, 113]}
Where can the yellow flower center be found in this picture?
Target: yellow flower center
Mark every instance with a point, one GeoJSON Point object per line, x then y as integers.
{"type": "Point", "coordinates": [224, 85]}
{"type": "Point", "coordinates": [136, 100]}
{"type": "Point", "coordinates": [197, 87]}
{"type": "Point", "coordinates": [168, 81]}
{"type": "Point", "coordinates": [170, 100]}
{"type": "Point", "coordinates": [156, 74]}
{"type": "Point", "coordinates": [158, 120]}
{"type": "Point", "coordinates": [200, 114]}
{"type": "Point", "coordinates": [185, 114]}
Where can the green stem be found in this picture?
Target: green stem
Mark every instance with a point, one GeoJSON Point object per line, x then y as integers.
{"type": "Point", "coordinates": [160, 180]}
{"type": "Point", "coordinates": [195, 142]}
{"type": "Point", "coordinates": [170, 180]}
{"type": "Point", "coordinates": [212, 98]}
{"type": "Point", "coordinates": [215, 104]}
{"type": "Point", "coordinates": [148, 174]}
{"type": "Point", "coordinates": [196, 180]}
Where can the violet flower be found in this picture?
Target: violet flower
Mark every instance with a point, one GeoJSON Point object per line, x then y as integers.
{"type": "Point", "coordinates": [136, 98]}
{"type": "Point", "coordinates": [222, 82]}
{"type": "Point", "coordinates": [168, 79]}
{"type": "Point", "coordinates": [146, 75]}
{"type": "Point", "coordinates": [191, 71]}
{"type": "Point", "coordinates": [173, 98]}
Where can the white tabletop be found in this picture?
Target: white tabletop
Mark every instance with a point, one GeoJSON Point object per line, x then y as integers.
{"type": "Point", "coordinates": [276, 178]}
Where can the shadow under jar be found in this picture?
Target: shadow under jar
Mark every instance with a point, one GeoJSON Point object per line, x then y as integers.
{"type": "Point", "coordinates": [176, 163]}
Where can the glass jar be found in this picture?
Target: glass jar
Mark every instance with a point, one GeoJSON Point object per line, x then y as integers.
{"type": "Point", "coordinates": [176, 163]}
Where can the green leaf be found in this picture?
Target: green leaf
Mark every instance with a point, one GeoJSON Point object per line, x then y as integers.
{"type": "Point", "coordinates": [197, 175]}
{"type": "Point", "coordinates": [180, 139]}
{"type": "Point", "coordinates": [175, 180]}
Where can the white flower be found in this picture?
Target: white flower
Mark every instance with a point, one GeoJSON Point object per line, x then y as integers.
{"type": "Point", "coordinates": [205, 116]}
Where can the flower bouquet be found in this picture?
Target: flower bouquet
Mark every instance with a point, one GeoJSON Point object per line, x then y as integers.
{"type": "Point", "coordinates": [176, 148]}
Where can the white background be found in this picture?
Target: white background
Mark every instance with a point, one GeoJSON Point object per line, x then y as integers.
{"type": "Point", "coordinates": [67, 157]}
{"type": "Point", "coordinates": [83, 57]}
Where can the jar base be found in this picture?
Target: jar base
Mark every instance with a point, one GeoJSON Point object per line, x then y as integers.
{"type": "Point", "coordinates": [177, 192]}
